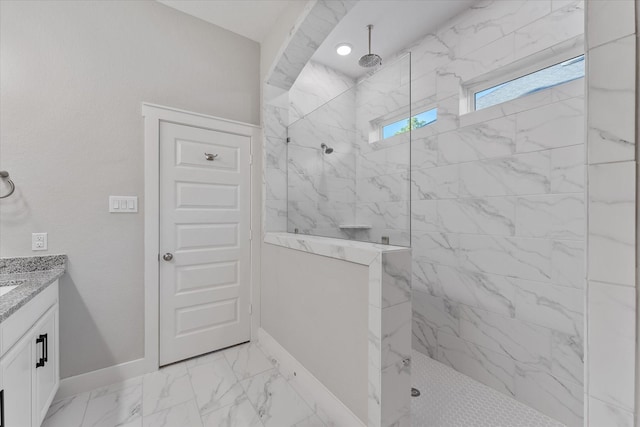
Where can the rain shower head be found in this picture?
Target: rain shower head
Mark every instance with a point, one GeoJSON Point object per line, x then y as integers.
{"type": "Point", "coordinates": [326, 149]}
{"type": "Point", "coordinates": [370, 59]}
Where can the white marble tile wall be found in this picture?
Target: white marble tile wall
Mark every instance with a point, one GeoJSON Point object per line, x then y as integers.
{"type": "Point", "coordinates": [498, 210]}
{"type": "Point", "coordinates": [316, 21]}
{"type": "Point", "coordinates": [359, 183]}
{"type": "Point", "coordinates": [321, 187]}
{"type": "Point", "coordinates": [382, 165]}
{"type": "Point", "coordinates": [535, 169]}
{"type": "Point", "coordinates": [275, 114]}
{"type": "Point", "coordinates": [611, 241]}
{"type": "Point", "coordinates": [389, 339]}
{"type": "Point", "coordinates": [316, 85]}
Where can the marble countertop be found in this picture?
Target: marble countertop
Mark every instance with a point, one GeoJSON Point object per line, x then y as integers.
{"type": "Point", "coordinates": [347, 250]}
{"type": "Point", "coordinates": [31, 275]}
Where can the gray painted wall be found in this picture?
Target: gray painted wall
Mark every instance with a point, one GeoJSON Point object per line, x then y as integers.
{"type": "Point", "coordinates": [316, 308]}
{"type": "Point", "coordinates": [73, 76]}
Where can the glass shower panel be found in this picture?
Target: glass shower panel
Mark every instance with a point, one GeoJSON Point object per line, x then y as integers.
{"type": "Point", "coordinates": [347, 177]}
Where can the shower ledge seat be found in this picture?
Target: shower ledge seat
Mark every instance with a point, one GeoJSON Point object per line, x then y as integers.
{"type": "Point", "coordinates": [354, 227]}
{"type": "Point", "coordinates": [389, 318]}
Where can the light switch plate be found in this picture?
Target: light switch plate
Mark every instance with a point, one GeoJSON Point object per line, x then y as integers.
{"type": "Point", "coordinates": [39, 241]}
{"type": "Point", "coordinates": [123, 204]}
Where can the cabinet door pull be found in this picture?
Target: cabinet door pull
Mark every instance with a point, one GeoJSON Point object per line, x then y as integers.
{"type": "Point", "coordinates": [40, 340]}
{"type": "Point", "coordinates": [45, 347]}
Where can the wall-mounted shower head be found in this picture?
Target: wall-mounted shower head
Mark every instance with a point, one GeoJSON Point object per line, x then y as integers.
{"type": "Point", "coordinates": [370, 59]}
{"type": "Point", "coordinates": [326, 148]}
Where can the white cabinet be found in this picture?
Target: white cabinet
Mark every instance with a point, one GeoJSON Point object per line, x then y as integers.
{"type": "Point", "coordinates": [46, 362]}
{"type": "Point", "coordinates": [17, 384]}
{"type": "Point", "coordinates": [29, 367]}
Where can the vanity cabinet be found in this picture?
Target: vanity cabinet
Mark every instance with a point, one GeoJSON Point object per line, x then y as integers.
{"type": "Point", "coordinates": [46, 374]}
{"type": "Point", "coordinates": [29, 372]}
{"type": "Point", "coordinates": [17, 384]}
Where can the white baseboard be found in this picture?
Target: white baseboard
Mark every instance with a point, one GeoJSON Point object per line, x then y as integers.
{"type": "Point", "coordinates": [101, 377]}
{"type": "Point", "coordinates": [309, 387]}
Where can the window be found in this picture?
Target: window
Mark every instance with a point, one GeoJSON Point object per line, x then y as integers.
{"type": "Point", "coordinates": [539, 80]}
{"type": "Point", "coordinates": [416, 122]}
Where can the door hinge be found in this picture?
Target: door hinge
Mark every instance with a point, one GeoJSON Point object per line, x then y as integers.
{"type": "Point", "coordinates": [250, 159]}
{"type": "Point", "coordinates": [250, 308]}
{"type": "Point", "coordinates": [250, 234]}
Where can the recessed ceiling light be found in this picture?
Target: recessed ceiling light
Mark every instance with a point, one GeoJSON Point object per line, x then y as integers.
{"type": "Point", "coordinates": [343, 49]}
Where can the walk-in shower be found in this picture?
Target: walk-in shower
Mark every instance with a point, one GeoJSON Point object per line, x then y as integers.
{"type": "Point", "coordinates": [490, 198]}
{"type": "Point", "coordinates": [361, 191]}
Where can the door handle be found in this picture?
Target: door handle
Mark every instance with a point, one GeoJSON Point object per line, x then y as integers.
{"type": "Point", "coordinates": [40, 340]}
{"type": "Point", "coordinates": [167, 257]}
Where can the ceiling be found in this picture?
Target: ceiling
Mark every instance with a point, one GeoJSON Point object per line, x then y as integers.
{"type": "Point", "coordinates": [396, 23]}
{"type": "Point", "coordinates": [249, 18]}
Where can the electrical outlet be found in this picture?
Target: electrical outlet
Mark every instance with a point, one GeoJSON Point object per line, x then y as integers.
{"type": "Point", "coordinates": [39, 241]}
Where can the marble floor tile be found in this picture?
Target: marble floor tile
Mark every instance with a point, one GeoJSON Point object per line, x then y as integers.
{"type": "Point", "coordinates": [215, 385]}
{"type": "Point", "coordinates": [165, 388]}
{"type": "Point", "coordinates": [114, 409]}
{"type": "Point", "coordinates": [276, 401]}
{"type": "Point", "coordinates": [111, 388]}
{"type": "Point", "coordinates": [320, 415]}
{"type": "Point", "coordinates": [267, 399]}
{"type": "Point", "coordinates": [247, 360]}
{"type": "Point", "coordinates": [200, 392]}
{"type": "Point", "coordinates": [239, 414]}
{"type": "Point", "coordinates": [182, 415]}
{"type": "Point", "coordinates": [68, 412]}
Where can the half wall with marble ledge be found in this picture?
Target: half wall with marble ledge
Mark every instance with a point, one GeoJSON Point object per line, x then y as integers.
{"type": "Point", "coordinates": [342, 310]}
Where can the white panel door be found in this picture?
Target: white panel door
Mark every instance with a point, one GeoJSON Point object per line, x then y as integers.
{"type": "Point", "coordinates": [204, 241]}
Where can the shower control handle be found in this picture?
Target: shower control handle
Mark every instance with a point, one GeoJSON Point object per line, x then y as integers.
{"type": "Point", "coordinates": [167, 257]}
